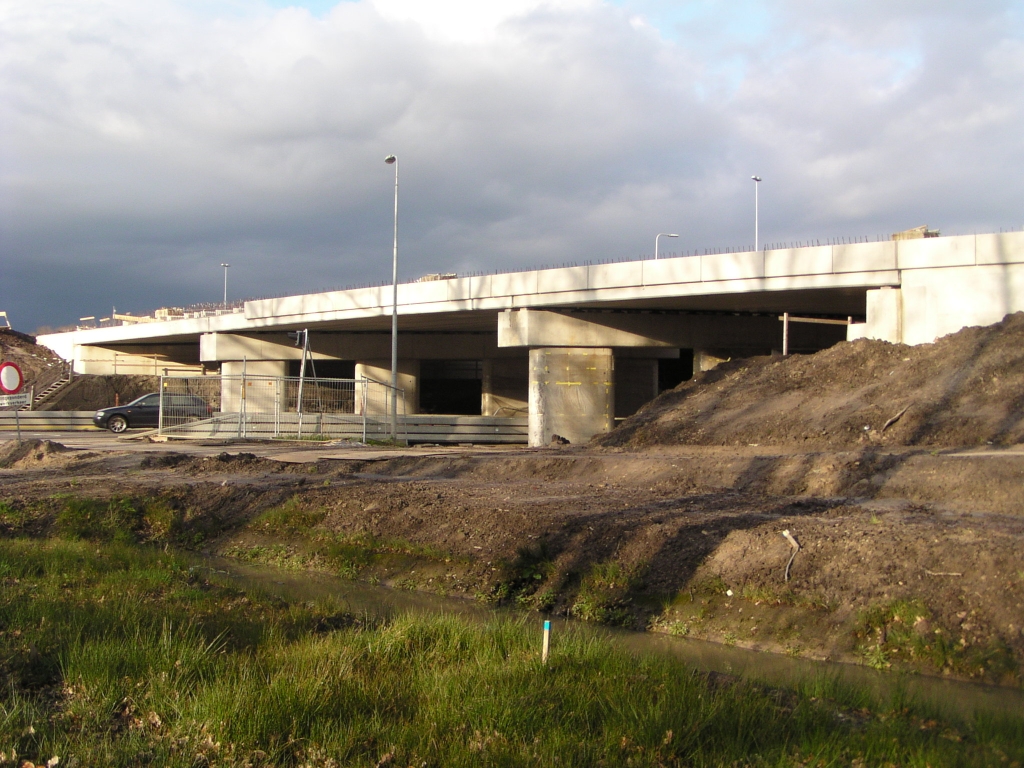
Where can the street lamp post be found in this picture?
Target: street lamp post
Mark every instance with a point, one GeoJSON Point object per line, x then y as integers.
{"type": "Point", "coordinates": [660, 234]}
{"type": "Point", "coordinates": [392, 160]}
{"type": "Point", "coordinates": [757, 182]}
{"type": "Point", "coordinates": [225, 284]}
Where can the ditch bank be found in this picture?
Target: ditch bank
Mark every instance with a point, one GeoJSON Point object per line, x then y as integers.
{"type": "Point", "coordinates": [688, 543]}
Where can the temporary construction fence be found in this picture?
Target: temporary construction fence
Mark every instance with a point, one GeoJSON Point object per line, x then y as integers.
{"type": "Point", "coordinates": [279, 407]}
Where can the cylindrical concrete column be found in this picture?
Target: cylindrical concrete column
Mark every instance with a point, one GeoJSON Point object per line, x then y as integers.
{"type": "Point", "coordinates": [572, 393]}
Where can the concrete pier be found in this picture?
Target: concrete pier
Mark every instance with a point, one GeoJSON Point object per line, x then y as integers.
{"type": "Point", "coordinates": [572, 394]}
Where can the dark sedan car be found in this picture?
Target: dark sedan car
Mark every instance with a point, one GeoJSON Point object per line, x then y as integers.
{"type": "Point", "coordinates": [145, 412]}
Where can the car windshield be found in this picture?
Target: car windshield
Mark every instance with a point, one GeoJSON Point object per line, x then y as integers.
{"type": "Point", "coordinates": [150, 399]}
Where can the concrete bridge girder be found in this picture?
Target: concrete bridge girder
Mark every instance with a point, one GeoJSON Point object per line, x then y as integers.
{"type": "Point", "coordinates": [911, 291]}
{"type": "Point", "coordinates": [572, 357]}
{"type": "Point", "coordinates": [331, 345]}
{"type": "Point", "coordinates": [146, 359]}
{"type": "Point", "coordinates": [740, 332]}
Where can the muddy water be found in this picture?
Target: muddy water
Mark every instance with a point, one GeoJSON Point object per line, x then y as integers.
{"type": "Point", "coordinates": [948, 697]}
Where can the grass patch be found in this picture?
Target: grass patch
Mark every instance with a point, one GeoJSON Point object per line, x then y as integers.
{"type": "Point", "coordinates": [523, 582]}
{"type": "Point", "coordinates": [603, 596]}
{"type": "Point", "coordinates": [901, 630]}
{"type": "Point", "coordinates": [118, 519]}
{"type": "Point", "coordinates": [315, 437]}
{"type": "Point", "coordinates": [12, 518]}
{"type": "Point", "coordinates": [290, 518]}
{"type": "Point", "coordinates": [342, 555]}
{"type": "Point", "coordinates": [113, 654]}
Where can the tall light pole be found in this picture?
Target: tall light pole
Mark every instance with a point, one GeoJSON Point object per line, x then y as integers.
{"type": "Point", "coordinates": [225, 284]}
{"type": "Point", "coordinates": [392, 160]}
{"type": "Point", "coordinates": [757, 182]}
{"type": "Point", "coordinates": [660, 234]}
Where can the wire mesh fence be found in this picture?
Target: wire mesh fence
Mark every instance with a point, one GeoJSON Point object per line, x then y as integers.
{"type": "Point", "coordinates": [279, 407]}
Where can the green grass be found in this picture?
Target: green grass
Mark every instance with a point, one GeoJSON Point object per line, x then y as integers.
{"type": "Point", "coordinates": [603, 595]}
{"type": "Point", "coordinates": [290, 518]}
{"type": "Point", "coordinates": [311, 547]}
{"type": "Point", "coordinates": [890, 632]}
{"type": "Point", "coordinates": [524, 581]}
{"type": "Point", "coordinates": [117, 655]}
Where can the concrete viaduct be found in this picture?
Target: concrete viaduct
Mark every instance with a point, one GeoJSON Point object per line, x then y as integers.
{"type": "Point", "coordinates": [576, 347]}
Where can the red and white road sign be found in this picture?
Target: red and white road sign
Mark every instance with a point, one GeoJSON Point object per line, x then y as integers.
{"type": "Point", "coordinates": [10, 378]}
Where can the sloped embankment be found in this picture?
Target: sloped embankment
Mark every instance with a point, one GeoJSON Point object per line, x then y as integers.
{"type": "Point", "coordinates": [89, 393]}
{"type": "Point", "coordinates": [963, 390]}
{"type": "Point", "coordinates": [20, 348]}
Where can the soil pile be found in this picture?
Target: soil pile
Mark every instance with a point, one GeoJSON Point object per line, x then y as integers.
{"type": "Point", "coordinates": [965, 389]}
{"type": "Point", "coordinates": [21, 349]}
{"type": "Point", "coordinates": [22, 453]}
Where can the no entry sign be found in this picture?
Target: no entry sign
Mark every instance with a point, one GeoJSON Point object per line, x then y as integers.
{"type": "Point", "coordinates": [10, 378]}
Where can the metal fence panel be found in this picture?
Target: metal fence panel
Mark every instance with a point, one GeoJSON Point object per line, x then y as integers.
{"type": "Point", "coordinates": [277, 407]}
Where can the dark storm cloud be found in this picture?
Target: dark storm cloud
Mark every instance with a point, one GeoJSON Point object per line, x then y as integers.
{"type": "Point", "coordinates": [145, 143]}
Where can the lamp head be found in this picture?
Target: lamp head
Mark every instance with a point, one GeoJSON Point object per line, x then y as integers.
{"type": "Point", "coordinates": [671, 235]}
{"type": "Point", "coordinates": [756, 178]}
{"type": "Point", "coordinates": [225, 265]}
{"type": "Point", "coordinates": [390, 159]}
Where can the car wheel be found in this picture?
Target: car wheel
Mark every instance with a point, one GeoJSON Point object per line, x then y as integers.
{"type": "Point", "coordinates": [117, 424]}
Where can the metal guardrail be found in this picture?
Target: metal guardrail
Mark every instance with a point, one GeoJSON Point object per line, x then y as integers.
{"type": "Point", "coordinates": [276, 407]}
{"type": "Point", "coordinates": [47, 421]}
{"type": "Point", "coordinates": [415, 428]}
{"type": "Point", "coordinates": [428, 428]}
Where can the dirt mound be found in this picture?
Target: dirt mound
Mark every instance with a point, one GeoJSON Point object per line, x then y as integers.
{"type": "Point", "coordinates": [965, 389]}
{"type": "Point", "coordinates": [90, 393]}
{"type": "Point", "coordinates": [235, 464]}
{"type": "Point", "coordinates": [21, 349]}
{"type": "Point", "coordinates": [164, 460]}
{"type": "Point", "coordinates": [23, 453]}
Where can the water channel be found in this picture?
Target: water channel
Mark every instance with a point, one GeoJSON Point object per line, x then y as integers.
{"type": "Point", "coordinates": [949, 697]}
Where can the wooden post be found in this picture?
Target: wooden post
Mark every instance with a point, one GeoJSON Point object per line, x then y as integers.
{"type": "Point", "coordinates": [546, 647]}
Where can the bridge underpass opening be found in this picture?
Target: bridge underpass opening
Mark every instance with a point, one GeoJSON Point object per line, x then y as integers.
{"type": "Point", "coordinates": [451, 387]}
{"type": "Point", "coordinates": [674, 371]}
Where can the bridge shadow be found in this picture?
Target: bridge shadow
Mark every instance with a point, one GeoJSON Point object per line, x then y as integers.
{"type": "Point", "coordinates": [696, 526]}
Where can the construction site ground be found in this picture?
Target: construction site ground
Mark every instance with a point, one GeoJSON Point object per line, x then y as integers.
{"type": "Point", "coordinates": [862, 504]}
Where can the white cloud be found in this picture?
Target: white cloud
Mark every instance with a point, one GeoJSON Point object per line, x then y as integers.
{"type": "Point", "coordinates": [158, 138]}
{"type": "Point", "coordinates": [468, 21]}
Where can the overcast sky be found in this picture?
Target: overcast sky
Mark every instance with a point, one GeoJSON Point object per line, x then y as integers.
{"type": "Point", "coordinates": [144, 142]}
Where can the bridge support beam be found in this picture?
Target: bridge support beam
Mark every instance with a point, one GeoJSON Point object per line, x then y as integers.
{"type": "Point", "coordinates": [572, 394]}
{"type": "Point", "coordinates": [408, 379]}
{"type": "Point", "coordinates": [231, 379]}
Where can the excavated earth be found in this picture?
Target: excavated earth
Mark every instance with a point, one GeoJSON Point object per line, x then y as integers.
{"type": "Point", "coordinates": [21, 349]}
{"type": "Point", "coordinates": [86, 392]}
{"type": "Point", "coordinates": [910, 535]}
